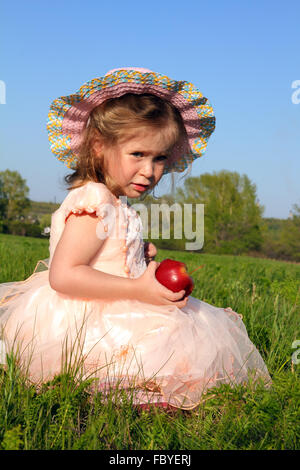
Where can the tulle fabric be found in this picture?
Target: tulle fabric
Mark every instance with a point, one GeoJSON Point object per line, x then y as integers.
{"type": "Point", "coordinates": [165, 354]}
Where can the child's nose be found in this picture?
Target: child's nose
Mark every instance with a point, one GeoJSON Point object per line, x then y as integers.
{"type": "Point", "coordinates": [148, 169]}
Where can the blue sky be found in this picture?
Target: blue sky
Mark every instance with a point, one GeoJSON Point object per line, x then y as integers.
{"type": "Point", "coordinates": [243, 55]}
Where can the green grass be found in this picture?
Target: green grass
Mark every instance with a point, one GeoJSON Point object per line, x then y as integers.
{"type": "Point", "coordinates": [67, 414]}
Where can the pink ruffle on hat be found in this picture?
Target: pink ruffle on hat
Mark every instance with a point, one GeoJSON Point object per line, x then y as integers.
{"type": "Point", "coordinates": [69, 115]}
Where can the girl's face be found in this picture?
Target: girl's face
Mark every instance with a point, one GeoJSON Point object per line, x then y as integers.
{"type": "Point", "coordinates": [137, 163]}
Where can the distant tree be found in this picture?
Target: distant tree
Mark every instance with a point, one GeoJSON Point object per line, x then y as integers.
{"type": "Point", "coordinates": [232, 214]}
{"type": "Point", "coordinates": [3, 202]}
{"type": "Point", "coordinates": [14, 201]}
{"type": "Point", "coordinates": [290, 236]}
{"type": "Point", "coordinates": [45, 221]}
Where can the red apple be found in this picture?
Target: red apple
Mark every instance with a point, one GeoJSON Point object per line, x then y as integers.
{"type": "Point", "coordinates": [173, 275]}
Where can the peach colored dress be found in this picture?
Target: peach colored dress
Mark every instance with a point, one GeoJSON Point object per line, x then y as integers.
{"type": "Point", "coordinates": [163, 353]}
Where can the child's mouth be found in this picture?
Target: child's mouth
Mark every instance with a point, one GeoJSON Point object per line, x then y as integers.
{"type": "Point", "coordinates": [140, 187]}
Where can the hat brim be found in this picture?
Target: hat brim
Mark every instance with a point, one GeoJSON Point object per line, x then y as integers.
{"type": "Point", "coordinates": [68, 115]}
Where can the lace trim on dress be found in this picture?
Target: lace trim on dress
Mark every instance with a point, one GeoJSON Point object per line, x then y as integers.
{"type": "Point", "coordinates": [134, 243]}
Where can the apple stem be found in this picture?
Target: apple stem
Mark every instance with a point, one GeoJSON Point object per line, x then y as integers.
{"type": "Point", "coordinates": [202, 265]}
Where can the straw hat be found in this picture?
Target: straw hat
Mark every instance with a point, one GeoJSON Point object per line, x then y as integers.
{"type": "Point", "coordinates": [68, 115]}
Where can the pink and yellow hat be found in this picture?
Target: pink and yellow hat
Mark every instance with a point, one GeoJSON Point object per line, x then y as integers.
{"type": "Point", "coordinates": [68, 115]}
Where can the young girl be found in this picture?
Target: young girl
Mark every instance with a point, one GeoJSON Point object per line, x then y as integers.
{"type": "Point", "coordinates": [121, 133]}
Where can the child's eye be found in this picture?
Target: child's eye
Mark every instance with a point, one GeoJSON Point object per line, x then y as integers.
{"type": "Point", "coordinates": [162, 157]}
{"type": "Point", "coordinates": [140, 154]}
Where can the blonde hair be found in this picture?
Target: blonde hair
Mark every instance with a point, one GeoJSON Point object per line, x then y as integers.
{"type": "Point", "coordinates": [113, 121]}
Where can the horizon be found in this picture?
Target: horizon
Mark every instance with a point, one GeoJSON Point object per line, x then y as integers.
{"type": "Point", "coordinates": [60, 202]}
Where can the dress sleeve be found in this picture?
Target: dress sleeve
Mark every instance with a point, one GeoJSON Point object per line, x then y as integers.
{"type": "Point", "coordinates": [92, 198]}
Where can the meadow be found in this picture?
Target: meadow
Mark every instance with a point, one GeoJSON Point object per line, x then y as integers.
{"type": "Point", "coordinates": [67, 414]}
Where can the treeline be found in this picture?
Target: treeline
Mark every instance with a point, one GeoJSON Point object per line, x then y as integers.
{"type": "Point", "coordinates": [18, 214]}
{"type": "Point", "coordinates": [39, 209]}
{"type": "Point", "coordinates": [233, 217]}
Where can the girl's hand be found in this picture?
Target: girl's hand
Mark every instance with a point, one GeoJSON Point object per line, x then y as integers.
{"type": "Point", "coordinates": [149, 290]}
{"type": "Point", "coordinates": [150, 252]}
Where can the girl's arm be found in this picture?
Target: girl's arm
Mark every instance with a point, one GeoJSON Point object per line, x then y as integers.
{"type": "Point", "coordinates": [71, 274]}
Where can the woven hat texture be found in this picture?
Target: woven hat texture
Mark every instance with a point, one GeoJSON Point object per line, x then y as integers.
{"type": "Point", "coordinates": [68, 115]}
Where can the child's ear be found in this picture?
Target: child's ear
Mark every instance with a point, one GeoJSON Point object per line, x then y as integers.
{"type": "Point", "coordinates": [97, 146]}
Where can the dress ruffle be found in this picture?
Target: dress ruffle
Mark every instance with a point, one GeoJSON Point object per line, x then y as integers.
{"type": "Point", "coordinates": [90, 198]}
